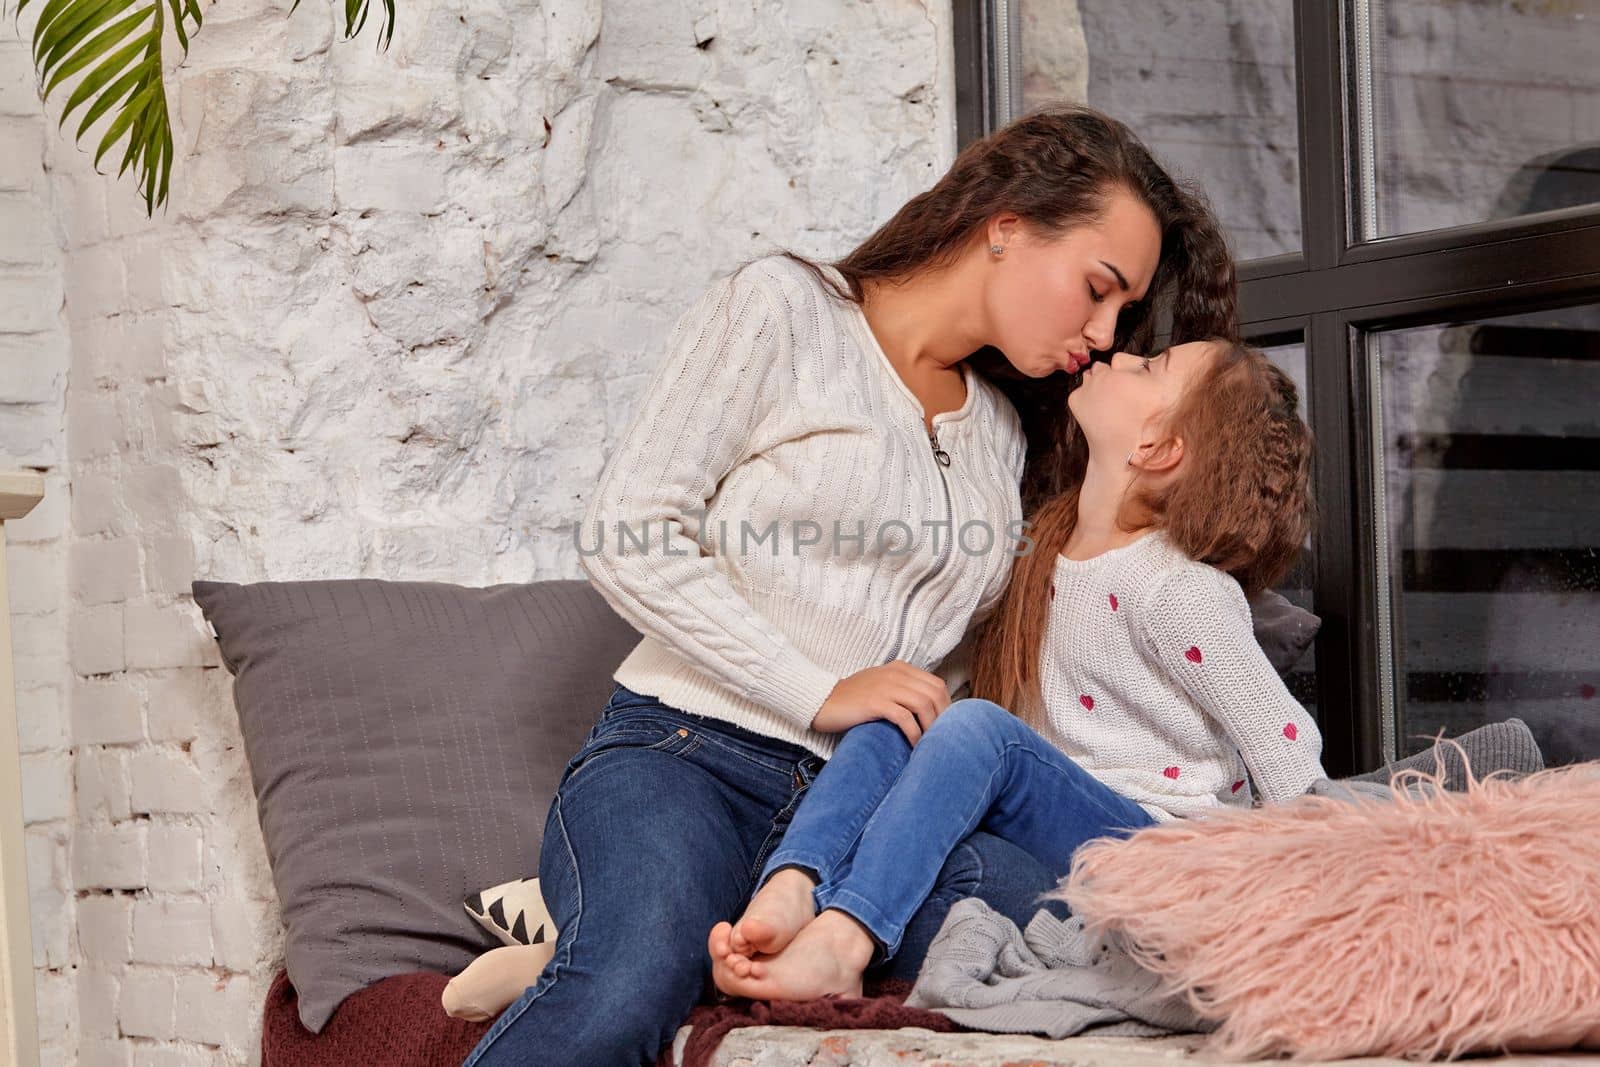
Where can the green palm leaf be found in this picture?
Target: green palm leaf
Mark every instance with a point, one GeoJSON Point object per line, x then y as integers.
{"type": "Point", "coordinates": [113, 48]}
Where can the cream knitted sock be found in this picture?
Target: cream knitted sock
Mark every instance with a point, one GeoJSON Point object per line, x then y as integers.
{"type": "Point", "coordinates": [495, 979]}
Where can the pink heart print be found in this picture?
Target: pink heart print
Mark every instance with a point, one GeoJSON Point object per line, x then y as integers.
{"type": "Point", "coordinates": [1238, 785]}
{"type": "Point", "coordinates": [1113, 602]}
{"type": "Point", "coordinates": [1171, 772]}
{"type": "Point", "coordinates": [1087, 701]}
{"type": "Point", "coordinates": [1193, 655]}
{"type": "Point", "coordinates": [1290, 731]}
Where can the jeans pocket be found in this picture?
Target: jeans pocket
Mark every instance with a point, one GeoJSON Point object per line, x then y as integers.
{"type": "Point", "coordinates": [634, 728]}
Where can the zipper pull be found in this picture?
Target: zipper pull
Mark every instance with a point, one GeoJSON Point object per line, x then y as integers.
{"type": "Point", "coordinates": [938, 453]}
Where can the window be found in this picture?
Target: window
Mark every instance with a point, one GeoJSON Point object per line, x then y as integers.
{"type": "Point", "coordinates": [1475, 111]}
{"type": "Point", "coordinates": [1290, 355]}
{"type": "Point", "coordinates": [1212, 93]}
{"type": "Point", "coordinates": [1490, 481]}
{"type": "Point", "coordinates": [1413, 190]}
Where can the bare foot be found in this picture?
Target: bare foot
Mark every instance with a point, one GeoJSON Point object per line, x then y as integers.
{"type": "Point", "coordinates": [726, 965]}
{"type": "Point", "coordinates": [825, 959]}
{"type": "Point", "coordinates": [778, 911]}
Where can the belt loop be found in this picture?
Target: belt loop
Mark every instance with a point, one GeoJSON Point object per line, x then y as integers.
{"type": "Point", "coordinates": [805, 772]}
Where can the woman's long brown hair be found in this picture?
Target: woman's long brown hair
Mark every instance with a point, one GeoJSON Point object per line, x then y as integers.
{"type": "Point", "coordinates": [1240, 501]}
{"type": "Point", "coordinates": [1054, 168]}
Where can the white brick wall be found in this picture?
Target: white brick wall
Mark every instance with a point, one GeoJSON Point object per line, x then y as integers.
{"type": "Point", "coordinates": [389, 326]}
{"type": "Point", "coordinates": [34, 347]}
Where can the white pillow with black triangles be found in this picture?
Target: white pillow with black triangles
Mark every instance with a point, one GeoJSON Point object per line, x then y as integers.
{"type": "Point", "coordinates": [514, 912]}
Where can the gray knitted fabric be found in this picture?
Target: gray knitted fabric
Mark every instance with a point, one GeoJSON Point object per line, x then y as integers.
{"type": "Point", "coordinates": [1499, 746]}
{"type": "Point", "coordinates": [1049, 980]}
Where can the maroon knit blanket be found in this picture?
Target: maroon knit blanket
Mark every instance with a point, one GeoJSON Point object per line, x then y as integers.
{"type": "Point", "coordinates": [884, 1009]}
{"type": "Point", "coordinates": [399, 1023]}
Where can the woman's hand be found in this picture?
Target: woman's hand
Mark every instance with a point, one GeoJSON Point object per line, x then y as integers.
{"type": "Point", "coordinates": [897, 692]}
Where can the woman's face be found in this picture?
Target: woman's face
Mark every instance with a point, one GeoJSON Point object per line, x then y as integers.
{"type": "Point", "coordinates": [1053, 301]}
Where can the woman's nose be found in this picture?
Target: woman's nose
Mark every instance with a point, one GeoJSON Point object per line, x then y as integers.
{"type": "Point", "coordinates": [1100, 330]}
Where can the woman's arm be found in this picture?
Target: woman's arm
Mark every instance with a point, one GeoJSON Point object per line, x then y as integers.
{"type": "Point", "coordinates": [1198, 625]}
{"type": "Point", "coordinates": [705, 401]}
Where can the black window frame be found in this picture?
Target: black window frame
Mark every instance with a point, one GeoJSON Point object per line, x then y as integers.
{"type": "Point", "coordinates": [1333, 295]}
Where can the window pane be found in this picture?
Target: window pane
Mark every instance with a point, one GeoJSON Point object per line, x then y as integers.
{"type": "Point", "coordinates": [1474, 111]}
{"type": "Point", "coordinates": [1209, 86]}
{"type": "Point", "coordinates": [1491, 446]}
{"type": "Point", "coordinates": [1296, 586]}
{"type": "Point", "coordinates": [1291, 359]}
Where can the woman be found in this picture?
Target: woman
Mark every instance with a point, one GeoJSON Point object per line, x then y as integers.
{"type": "Point", "coordinates": [771, 522]}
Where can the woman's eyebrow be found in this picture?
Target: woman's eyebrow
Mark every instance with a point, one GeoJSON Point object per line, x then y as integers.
{"type": "Point", "coordinates": [1120, 279]}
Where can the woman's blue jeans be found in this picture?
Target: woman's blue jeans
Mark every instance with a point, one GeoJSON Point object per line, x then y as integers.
{"type": "Point", "coordinates": [882, 819]}
{"type": "Point", "coordinates": [659, 828]}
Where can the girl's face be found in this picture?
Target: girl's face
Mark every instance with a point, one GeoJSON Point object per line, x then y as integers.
{"type": "Point", "coordinates": [1121, 405]}
{"type": "Point", "coordinates": [1052, 301]}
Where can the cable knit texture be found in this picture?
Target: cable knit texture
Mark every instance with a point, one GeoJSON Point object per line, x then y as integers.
{"type": "Point", "coordinates": [1153, 681]}
{"type": "Point", "coordinates": [773, 420]}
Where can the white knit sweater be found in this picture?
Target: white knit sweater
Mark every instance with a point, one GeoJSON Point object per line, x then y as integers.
{"type": "Point", "coordinates": [1153, 682]}
{"type": "Point", "coordinates": [773, 403]}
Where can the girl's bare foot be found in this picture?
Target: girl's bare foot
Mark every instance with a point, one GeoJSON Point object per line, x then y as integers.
{"type": "Point", "coordinates": [726, 965]}
{"type": "Point", "coordinates": [779, 910]}
{"type": "Point", "coordinates": [776, 913]}
{"type": "Point", "coordinates": [825, 959]}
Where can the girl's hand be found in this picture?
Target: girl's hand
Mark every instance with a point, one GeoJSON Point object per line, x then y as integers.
{"type": "Point", "coordinates": [897, 692]}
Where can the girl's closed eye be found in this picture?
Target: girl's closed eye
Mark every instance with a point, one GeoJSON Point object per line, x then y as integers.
{"type": "Point", "coordinates": [1095, 296]}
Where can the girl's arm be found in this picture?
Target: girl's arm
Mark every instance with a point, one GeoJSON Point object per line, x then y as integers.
{"type": "Point", "coordinates": [708, 395]}
{"type": "Point", "coordinates": [1198, 625]}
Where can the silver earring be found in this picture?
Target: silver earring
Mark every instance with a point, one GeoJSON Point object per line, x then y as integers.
{"type": "Point", "coordinates": [1129, 461]}
{"type": "Point", "coordinates": [998, 250]}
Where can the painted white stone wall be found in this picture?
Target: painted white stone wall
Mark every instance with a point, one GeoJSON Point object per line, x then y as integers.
{"type": "Point", "coordinates": [34, 344]}
{"type": "Point", "coordinates": [396, 314]}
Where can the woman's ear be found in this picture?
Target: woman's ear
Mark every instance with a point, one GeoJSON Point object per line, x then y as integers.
{"type": "Point", "coordinates": [1003, 228]}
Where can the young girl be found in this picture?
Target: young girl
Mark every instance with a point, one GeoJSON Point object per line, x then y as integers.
{"type": "Point", "coordinates": [1124, 638]}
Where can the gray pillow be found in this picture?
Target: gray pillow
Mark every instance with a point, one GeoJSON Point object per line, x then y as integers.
{"type": "Point", "coordinates": [405, 740]}
{"type": "Point", "coordinates": [1283, 630]}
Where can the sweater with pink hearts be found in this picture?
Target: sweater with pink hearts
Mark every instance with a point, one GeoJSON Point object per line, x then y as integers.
{"type": "Point", "coordinates": [1154, 683]}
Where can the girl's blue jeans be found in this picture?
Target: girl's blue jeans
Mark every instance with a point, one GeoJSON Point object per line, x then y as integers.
{"type": "Point", "coordinates": [881, 820]}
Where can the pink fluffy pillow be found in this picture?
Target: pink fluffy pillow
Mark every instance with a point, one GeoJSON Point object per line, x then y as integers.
{"type": "Point", "coordinates": [1327, 929]}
